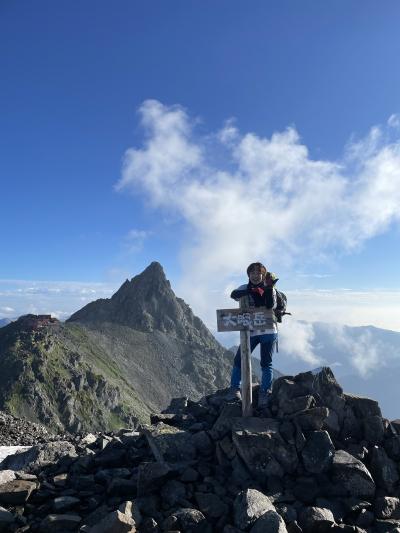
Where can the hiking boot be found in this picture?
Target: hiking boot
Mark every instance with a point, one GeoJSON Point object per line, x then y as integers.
{"type": "Point", "coordinates": [263, 399]}
{"type": "Point", "coordinates": [233, 394]}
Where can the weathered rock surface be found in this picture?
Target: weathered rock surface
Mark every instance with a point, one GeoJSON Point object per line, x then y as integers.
{"type": "Point", "coordinates": [301, 467]}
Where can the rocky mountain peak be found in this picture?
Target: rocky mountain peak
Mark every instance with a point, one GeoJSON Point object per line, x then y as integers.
{"type": "Point", "coordinates": [147, 303]}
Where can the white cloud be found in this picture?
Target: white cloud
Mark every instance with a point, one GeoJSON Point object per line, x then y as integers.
{"type": "Point", "coordinates": [7, 310]}
{"type": "Point", "coordinates": [168, 156]}
{"type": "Point", "coordinates": [135, 239]}
{"type": "Point", "coordinates": [296, 339]}
{"type": "Point", "coordinates": [59, 298]}
{"type": "Point", "coordinates": [266, 197]}
{"type": "Point", "coordinates": [345, 306]}
{"type": "Point", "coordinates": [394, 121]}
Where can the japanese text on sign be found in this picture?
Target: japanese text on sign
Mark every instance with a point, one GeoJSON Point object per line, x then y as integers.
{"type": "Point", "coordinates": [238, 319]}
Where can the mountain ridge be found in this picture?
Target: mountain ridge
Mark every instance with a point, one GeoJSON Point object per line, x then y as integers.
{"type": "Point", "coordinates": [114, 361]}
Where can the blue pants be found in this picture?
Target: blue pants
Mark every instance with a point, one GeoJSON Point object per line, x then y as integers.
{"type": "Point", "coordinates": [267, 343]}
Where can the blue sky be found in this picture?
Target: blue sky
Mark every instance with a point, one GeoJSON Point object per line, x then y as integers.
{"type": "Point", "coordinates": [204, 135]}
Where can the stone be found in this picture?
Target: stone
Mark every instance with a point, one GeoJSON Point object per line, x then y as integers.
{"type": "Point", "coordinates": [249, 505]}
{"type": "Point", "coordinates": [211, 505]}
{"type": "Point", "coordinates": [16, 492]}
{"type": "Point", "coordinates": [312, 419]}
{"type": "Point", "coordinates": [228, 448]}
{"type": "Point", "coordinates": [392, 447]}
{"type": "Point", "coordinates": [202, 443]}
{"type": "Point", "coordinates": [331, 423]}
{"type": "Point", "coordinates": [223, 425]}
{"type": "Point", "coordinates": [149, 525]}
{"type": "Point", "coordinates": [131, 509]}
{"type": "Point", "coordinates": [151, 476]}
{"type": "Point", "coordinates": [294, 527]}
{"type": "Point", "coordinates": [318, 452]}
{"type": "Point", "coordinates": [122, 487]}
{"type": "Point", "coordinates": [114, 522]}
{"type": "Point", "coordinates": [363, 407]}
{"type": "Point", "coordinates": [373, 429]}
{"type": "Point", "coordinates": [387, 507]}
{"type": "Point", "coordinates": [384, 469]}
{"type": "Point", "coordinates": [192, 520]}
{"type": "Point", "coordinates": [6, 476]}
{"type": "Point", "coordinates": [60, 480]}
{"type": "Point", "coordinates": [396, 425]}
{"type": "Point", "coordinates": [262, 448]}
{"type": "Point", "coordinates": [6, 519]}
{"type": "Point", "coordinates": [365, 518]}
{"type": "Point", "coordinates": [316, 518]}
{"type": "Point", "coordinates": [60, 522]}
{"type": "Point", "coordinates": [111, 457]}
{"type": "Point", "coordinates": [89, 439]}
{"type": "Point", "coordinates": [386, 526]}
{"type": "Point", "coordinates": [305, 489]}
{"type": "Point", "coordinates": [351, 427]}
{"type": "Point", "coordinates": [170, 444]}
{"type": "Point", "coordinates": [177, 405]}
{"type": "Point", "coordinates": [300, 403]}
{"type": "Point", "coordinates": [64, 503]}
{"type": "Point", "coordinates": [270, 522]}
{"type": "Point", "coordinates": [351, 476]}
{"type": "Point", "coordinates": [173, 492]}
{"type": "Point", "coordinates": [39, 456]}
{"type": "Point", "coordinates": [105, 475]}
{"type": "Point", "coordinates": [189, 475]}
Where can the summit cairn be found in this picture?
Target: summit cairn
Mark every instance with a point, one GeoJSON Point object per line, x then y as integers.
{"type": "Point", "coordinates": [317, 460]}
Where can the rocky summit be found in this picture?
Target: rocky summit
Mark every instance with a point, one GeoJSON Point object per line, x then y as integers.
{"type": "Point", "coordinates": [315, 460]}
{"type": "Point", "coordinates": [113, 362]}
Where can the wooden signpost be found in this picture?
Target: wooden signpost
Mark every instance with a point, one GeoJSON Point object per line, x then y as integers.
{"type": "Point", "coordinates": [245, 320]}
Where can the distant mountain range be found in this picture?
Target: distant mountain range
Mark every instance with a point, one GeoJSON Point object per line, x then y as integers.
{"type": "Point", "coordinates": [4, 322]}
{"type": "Point", "coordinates": [146, 342]}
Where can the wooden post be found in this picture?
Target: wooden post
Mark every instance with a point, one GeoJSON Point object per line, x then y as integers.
{"type": "Point", "coordinates": [247, 389]}
{"type": "Point", "coordinates": [244, 320]}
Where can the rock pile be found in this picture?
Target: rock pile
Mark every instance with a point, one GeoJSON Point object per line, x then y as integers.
{"type": "Point", "coordinates": [315, 460]}
{"type": "Point", "coordinates": [15, 431]}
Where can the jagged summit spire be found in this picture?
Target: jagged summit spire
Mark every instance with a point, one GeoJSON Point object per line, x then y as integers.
{"type": "Point", "coordinates": [147, 303]}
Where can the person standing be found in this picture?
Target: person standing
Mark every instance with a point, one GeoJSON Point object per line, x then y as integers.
{"type": "Point", "coordinates": [261, 293]}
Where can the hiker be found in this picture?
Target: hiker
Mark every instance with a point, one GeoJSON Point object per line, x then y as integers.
{"type": "Point", "coordinates": [260, 292]}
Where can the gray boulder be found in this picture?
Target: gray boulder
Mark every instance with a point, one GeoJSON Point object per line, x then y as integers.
{"type": "Point", "coordinates": [191, 520]}
{"type": "Point", "coordinates": [170, 444]}
{"type": "Point", "coordinates": [262, 448]}
{"type": "Point", "coordinates": [387, 507]}
{"type": "Point", "coordinates": [249, 505]}
{"type": "Point", "coordinates": [16, 492]}
{"type": "Point", "coordinates": [384, 469]}
{"type": "Point", "coordinates": [270, 522]}
{"type": "Point", "coordinates": [115, 522]}
{"type": "Point", "coordinates": [318, 452]}
{"type": "Point", "coordinates": [363, 407]}
{"type": "Point", "coordinates": [60, 522]}
{"type": "Point", "coordinates": [351, 476]}
{"type": "Point", "coordinates": [39, 456]}
{"type": "Point", "coordinates": [315, 519]}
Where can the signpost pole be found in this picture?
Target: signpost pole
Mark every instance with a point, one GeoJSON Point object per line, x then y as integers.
{"type": "Point", "coordinates": [247, 389]}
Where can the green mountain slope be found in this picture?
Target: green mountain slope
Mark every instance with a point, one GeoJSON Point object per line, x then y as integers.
{"type": "Point", "coordinates": [114, 361]}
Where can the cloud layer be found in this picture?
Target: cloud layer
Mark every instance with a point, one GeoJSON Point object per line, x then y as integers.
{"type": "Point", "coordinates": [246, 197]}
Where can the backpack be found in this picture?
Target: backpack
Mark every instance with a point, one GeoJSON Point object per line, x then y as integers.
{"type": "Point", "coordinates": [281, 302]}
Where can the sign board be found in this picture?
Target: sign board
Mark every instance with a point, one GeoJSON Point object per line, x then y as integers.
{"type": "Point", "coordinates": [258, 318]}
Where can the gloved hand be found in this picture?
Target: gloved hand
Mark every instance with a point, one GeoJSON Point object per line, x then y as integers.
{"type": "Point", "coordinates": [257, 290]}
{"type": "Point", "coordinates": [270, 279]}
